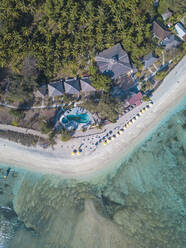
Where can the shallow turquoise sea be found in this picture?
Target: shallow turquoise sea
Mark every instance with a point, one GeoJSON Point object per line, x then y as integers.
{"type": "Point", "coordinates": [142, 204]}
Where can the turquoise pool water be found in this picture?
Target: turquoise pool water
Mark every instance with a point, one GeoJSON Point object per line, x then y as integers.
{"type": "Point", "coordinates": [82, 118]}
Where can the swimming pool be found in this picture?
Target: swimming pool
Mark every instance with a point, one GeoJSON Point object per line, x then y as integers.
{"type": "Point", "coordinates": [81, 118]}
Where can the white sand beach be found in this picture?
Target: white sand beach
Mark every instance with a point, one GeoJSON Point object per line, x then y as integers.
{"type": "Point", "coordinates": [61, 161]}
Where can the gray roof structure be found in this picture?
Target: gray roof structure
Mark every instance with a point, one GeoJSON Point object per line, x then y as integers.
{"type": "Point", "coordinates": [72, 86]}
{"type": "Point", "coordinates": [166, 14]}
{"type": "Point", "coordinates": [85, 84]}
{"type": "Point", "coordinates": [55, 89]}
{"type": "Point", "coordinates": [42, 91]}
{"type": "Point", "coordinates": [149, 60]}
{"type": "Point", "coordinates": [113, 61]}
{"type": "Point", "coordinates": [126, 82]}
{"type": "Point", "coordinates": [170, 42]}
{"type": "Point", "coordinates": [159, 31]}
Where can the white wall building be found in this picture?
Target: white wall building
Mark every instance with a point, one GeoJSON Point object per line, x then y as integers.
{"type": "Point", "coordinates": [181, 31]}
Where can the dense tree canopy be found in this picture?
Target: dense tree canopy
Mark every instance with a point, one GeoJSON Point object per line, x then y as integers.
{"type": "Point", "coordinates": [66, 33]}
{"type": "Point", "coordinates": [174, 5]}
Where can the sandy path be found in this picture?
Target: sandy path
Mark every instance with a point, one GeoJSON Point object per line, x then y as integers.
{"type": "Point", "coordinates": [105, 157]}
{"type": "Point", "coordinates": [23, 130]}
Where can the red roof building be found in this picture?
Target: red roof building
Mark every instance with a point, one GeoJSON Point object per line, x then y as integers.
{"type": "Point", "coordinates": [135, 99]}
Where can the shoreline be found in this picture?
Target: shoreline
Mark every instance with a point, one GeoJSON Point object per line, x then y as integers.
{"type": "Point", "coordinates": [165, 98]}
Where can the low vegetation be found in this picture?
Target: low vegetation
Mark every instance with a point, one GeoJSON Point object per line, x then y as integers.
{"type": "Point", "coordinates": [46, 127]}
{"type": "Point", "coordinates": [65, 135]}
{"type": "Point", "coordinates": [146, 86]}
{"type": "Point", "coordinates": [24, 139]}
{"type": "Point", "coordinates": [99, 80]}
{"type": "Point", "coordinates": [146, 98]}
{"type": "Point", "coordinates": [174, 5]}
{"type": "Point", "coordinates": [108, 107]}
{"type": "Point", "coordinates": [17, 114]}
{"type": "Point", "coordinates": [160, 75]}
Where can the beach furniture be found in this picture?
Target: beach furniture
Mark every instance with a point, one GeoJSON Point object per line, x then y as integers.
{"type": "Point", "coordinates": [150, 104]}
{"type": "Point", "coordinates": [74, 152]}
{"type": "Point", "coordinates": [6, 173]}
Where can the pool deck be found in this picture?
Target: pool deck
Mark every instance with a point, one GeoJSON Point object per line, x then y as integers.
{"type": "Point", "coordinates": [73, 124]}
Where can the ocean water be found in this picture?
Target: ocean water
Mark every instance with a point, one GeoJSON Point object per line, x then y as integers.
{"type": "Point", "coordinates": [141, 205]}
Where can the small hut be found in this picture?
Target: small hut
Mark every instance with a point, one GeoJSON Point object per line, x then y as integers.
{"type": "Point", "coordinates": [72, 86]}
{"type": "Point", "coordinates": [86, 86]}
{"type": "Point", "coordinates": [55, 89]}
{"type": "Point", "coordinates": [41, 92]}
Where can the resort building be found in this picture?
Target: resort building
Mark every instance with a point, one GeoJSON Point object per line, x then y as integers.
{"type": "Point", "coordinates": [135, 99]}
{"type": "Point", "coordinates": [159, 31]}
{"type": "Point", "coordinates": [114, 62]}
{"type": "Point", "coordinates": [55, 89]}
{"type": "Point", "coordinates": [85, 85]}
{"type": "Point", "coordinates": [166, 14]}
{"type": "Point", "coordinates": [72, 86]}
{"type": "Point", "coordinates": [181, 31]}
{"type": "Point", "coordinates": [41, 92]}
{"type": "Point", "coordinates": [149, 60]}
